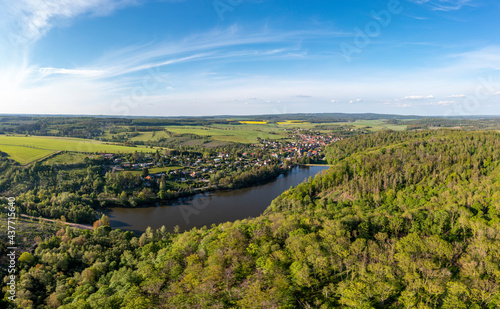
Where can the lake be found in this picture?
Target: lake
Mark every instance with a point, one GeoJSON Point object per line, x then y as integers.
{"type": "Point", "coordinates": [210, 207]}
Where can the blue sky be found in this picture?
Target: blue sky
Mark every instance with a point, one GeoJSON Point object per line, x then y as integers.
{"type": "Point", "coordinates": [183, 57]}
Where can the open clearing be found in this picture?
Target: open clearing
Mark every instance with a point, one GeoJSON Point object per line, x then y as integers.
{"type": "Point", "coordinates": [149, 136]}
{"type": "Point", "coordinates": [28, 229]}
{"type": "Point", "coordinates": [66, 158]}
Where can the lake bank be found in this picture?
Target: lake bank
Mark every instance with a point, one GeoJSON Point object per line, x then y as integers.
{"type": "Point", "coordinates": [209, 208]}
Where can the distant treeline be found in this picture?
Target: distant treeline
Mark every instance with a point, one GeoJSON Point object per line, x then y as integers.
{"type": "Point", "coordinates": [93, 127]}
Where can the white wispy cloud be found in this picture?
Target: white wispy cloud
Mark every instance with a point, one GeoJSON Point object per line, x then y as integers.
{"type": "Point", "coordinates": [479, 59]}
{"type": "Point", "coordinates": [33, 18]}
{"type": "Point", "coordinates": [129, 72]}
{"type": "Point", "coordinates": [444, 5]}
{"type": "Point", "coordinates": [418, 97]}
{"type": "Point", "coordinates": [457, 96]}
{"type": "Point", "coordinates": [44, 72]}
{"type": "Point", "coordinates": [231, 42]}
{"type": "Point", "coordinates": [355, 101]}
{"type": "Point", "coordinates": [398, 104]}
{"type": "Point", "coordinates": [446, 102]}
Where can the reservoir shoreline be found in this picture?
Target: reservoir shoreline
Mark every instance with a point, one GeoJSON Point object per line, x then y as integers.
{"type": "Point", "coordinates": [207, 208]}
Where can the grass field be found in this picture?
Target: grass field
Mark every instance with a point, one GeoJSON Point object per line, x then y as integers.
{"type": "Point", "coordinates": [24, 155]}
{"type": "Point", "coordinates": [143, 136]}
{"type": "Point", "coordinates": [232, 133]}
{"type": "Point", "coordinates": [375, 125]}
{"type": "Point", "coordinates": [27, 149]}
{"type": "Point", "coordinates": [67, 157]}
{"type": "Point", "coordinates": [148, 136]}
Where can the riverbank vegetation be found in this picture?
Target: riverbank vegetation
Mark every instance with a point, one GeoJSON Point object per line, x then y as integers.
{"type": "Point", "coordinates": [400, 220]}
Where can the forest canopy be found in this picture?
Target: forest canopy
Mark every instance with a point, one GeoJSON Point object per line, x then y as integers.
{"type": "Point", "coordinates": [400, 220]}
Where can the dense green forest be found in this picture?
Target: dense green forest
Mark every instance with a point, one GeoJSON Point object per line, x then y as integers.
{"type": "Point", "coordinates": [401, 220]}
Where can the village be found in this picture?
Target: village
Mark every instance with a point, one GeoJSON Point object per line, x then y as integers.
{"type": "Point", "coordinates": [306, 144]}
{"type": "Point", "coordinates": [198, 170]}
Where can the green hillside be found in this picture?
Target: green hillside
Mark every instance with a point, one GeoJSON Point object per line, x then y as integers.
{"type": "Point", "coordinates": [25, 149]}
{"type": "Point", "coordinates": [400, 220]}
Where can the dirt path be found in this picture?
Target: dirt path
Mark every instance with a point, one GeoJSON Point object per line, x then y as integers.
{"type": "Point", "coordinates": [77, 225]}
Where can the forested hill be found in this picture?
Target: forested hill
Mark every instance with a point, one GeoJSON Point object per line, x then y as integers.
{"type": "Point", "coordinates": [400, 220]}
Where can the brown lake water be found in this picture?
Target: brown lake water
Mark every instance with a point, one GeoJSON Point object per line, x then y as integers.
{"type": "Point", "coordinates": [209, 208]}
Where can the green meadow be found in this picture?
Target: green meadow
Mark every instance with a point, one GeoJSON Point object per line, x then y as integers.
{"type": "Point", "coordinates": [245, 133]}
{"type": "Point", "coordinates": [66, 157]}
{"type": "Point", "coordinates": [25, 155]}
{"type": "Point", "coordinates": [375, 125]}
{"type": "Point", "coordinates": [149, 136]}
{"type": "Point", "coordinates": [26, 149]}
{"type": "Point", "coordinates": [142, 136]}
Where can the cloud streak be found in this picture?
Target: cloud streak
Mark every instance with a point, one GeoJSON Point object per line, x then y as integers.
{"type": "Point", "coordinates": [418, 97]}
{"type": "Point", "coordinates": [34, 18]}
{"type": "Point", "coordinates": [444, 5]}
{"type": "Point", "coordinates": [122, 72]}
{"type": "Point", "coordinates": [44, 72]}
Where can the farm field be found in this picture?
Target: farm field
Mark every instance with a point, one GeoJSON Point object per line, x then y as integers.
{"type": "Point", "coordinates": [25, 155]}
{"type": "Point", "coordinates": [376, 125]}
{"type": "Point", "coordinates": [232, 133]}
{"type": "Point", "coordinates": [143, 136]}
{"type": "Point", "coordinates": [248, 133]}
{"type": "Point", "coordinates": [27, 149]}
{"type": "Point", "coordinates": [253, 122]}
{"type": "Point", "coordinates": [149, 136]}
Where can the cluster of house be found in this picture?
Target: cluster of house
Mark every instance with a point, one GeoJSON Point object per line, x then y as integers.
{"type": "Point", "coordinates": [306, 145]}
{"type": "Point", "coordinates": [119, 165]}
{"type": "Point", "coordinates": [199, 169]}
{"type": "Point", "coordinates": [196, 169]}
